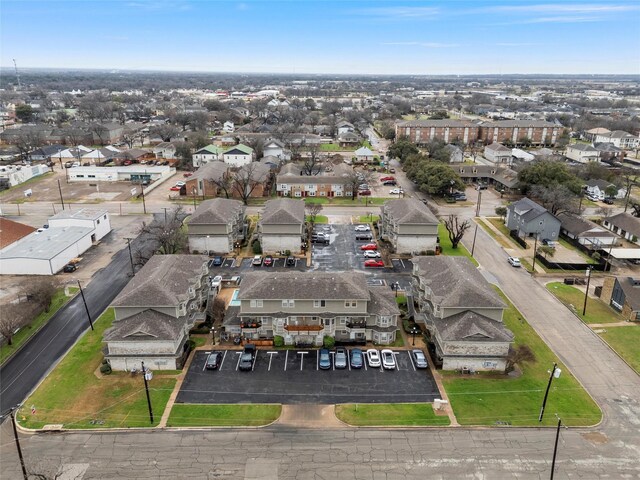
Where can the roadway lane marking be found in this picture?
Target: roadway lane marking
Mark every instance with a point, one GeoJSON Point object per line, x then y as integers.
{"type": "Point", "coordinates": [238, 364]}
{"type": "Point", "coordinates": [271, 354]}
{"type": "Point", "coordinates": [222, 362]}
{"type": "Point", "coordinates": [411, 358]}
{"type": "Point", "coordinates": [286, 359]}
{"type": "Point", "coordinates": [302, 359]}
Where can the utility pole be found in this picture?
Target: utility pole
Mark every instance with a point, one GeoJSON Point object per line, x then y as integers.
{"type": "Point", "coordinates": [133, 271]}
{"type": "Point", "coordinates": [85, 305]}
{"type": "Point", "coordinates": [586, 292]}
{"type": "Point", "coordinates": [12, 414]}
{"type": "Point", "coordinates": [555, 448]}
{"type": "Point", "coordinates": [535, 249]}
{"type": "Point", "coordinates": [546, 393]}
{"type": "Point", "coordinates": [473, 245]}
{"type": "Point", "coordinates": [165, 214]}
{"type": "Point", "coordinates": [193, 190]}
{"type": "Point", "coordinates": [144, 205]}
{"type": "Point", "coordinates": [479, 203]}
{"type": "Point", "coordinates": [60, 190]}
{"type": "Point", "coordinates": [146, 388]}
{"type": "Point", "coordinates": [15, 65]}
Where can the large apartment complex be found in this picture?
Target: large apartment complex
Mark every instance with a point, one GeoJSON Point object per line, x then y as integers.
{"type": "Point", "coordinates": [513, 132]}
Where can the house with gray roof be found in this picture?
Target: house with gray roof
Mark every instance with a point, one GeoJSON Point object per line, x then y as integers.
{"type": "Point", "coordinates": [303, 307]}
{"type": "Point", "coordinates": [456, 155]}
{"type": "Point", "coordinates": [408, 225]}
{"type": "Point", "coordinates": [598, 187]}
{"type": "Point", "coordinates": [206, 181]}
{"type": "Point", "coordinates": [155, 311]}
{"type": "Point", "coordinates": [291, 182]}
{"type": "Point", "coordinates": [620, 139]}
{"type": "Point", "coordinates": [462, 313]}
{"type": "Point", "coordinates": [529, 219]}
{"type": "Point", "coordinates": [282, 225]}
{"type": "Point", "coordinates": [217, 226]}
{"type": "Point", "coordinates": [625, 225]}
{"type": "Point", "coordinates": [503, 179]}
{"type": "Point", "coordinates": [497, 153]}
{"type": "Point", "coordinates": [585, 232]}
{"type": "Point", "coordinates": [623, 295]}
{"type": "Point", "coordinates": [583, 153]}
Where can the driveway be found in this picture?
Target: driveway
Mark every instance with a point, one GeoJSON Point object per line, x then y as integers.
{"type": "Point", "coordinates": [293, 376]}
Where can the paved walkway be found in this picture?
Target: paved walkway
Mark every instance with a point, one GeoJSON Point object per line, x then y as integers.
{"type": "Point", "coordinates": [309, 416]}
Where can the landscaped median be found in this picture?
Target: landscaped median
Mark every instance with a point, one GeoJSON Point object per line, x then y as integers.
{"type": "Point", "coordinates": [390, 415]}
{"type": "Point", "coordinates": [496, 399]}
{"type": "Point", "coordinates": [75, 395]}
{"type": "Point", "coordinates": [197, 415]}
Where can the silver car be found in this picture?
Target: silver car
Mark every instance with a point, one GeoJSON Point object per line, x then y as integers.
{"type": "Point", "coordinates": [419, 359]}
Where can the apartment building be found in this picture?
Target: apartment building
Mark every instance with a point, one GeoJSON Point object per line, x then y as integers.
{"type": "Point", "coordinates": [292, 183]}
{"type": "Point", "coordinates": [408, 225]}
{"type": "Point", "coordinates": [217, 225]}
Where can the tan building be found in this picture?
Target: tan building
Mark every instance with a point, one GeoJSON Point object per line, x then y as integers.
{"type": "Point", "coordinates": [623, 295]}
{"type": "Point", "coordinates": [408, 225]}
{"type": "Point", "coordinates": [217, 226]}
{"type": "Point", "coordinates": [281, 225]}
{"type": "Point", "coordinates": [292, 183]}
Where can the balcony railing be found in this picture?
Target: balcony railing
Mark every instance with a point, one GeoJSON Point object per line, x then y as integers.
{"type": "Point", "coordinates": [304, 328]}
{"type": "Point", "coordinates": [357, 324]}
{"type": "Point", "coordinates": [250, 324]}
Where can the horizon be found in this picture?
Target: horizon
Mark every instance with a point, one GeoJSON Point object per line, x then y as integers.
{"type": "Point", "coordinates": [437, 38]}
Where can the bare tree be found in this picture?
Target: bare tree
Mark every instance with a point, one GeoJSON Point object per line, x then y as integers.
{"type": "Point", "coordinates": [311, 164]}
{"type": "Point", "coordinates": [546, 250]}
{"type": "Point", "coordinates": [100, 133]}
{"type": "Point", "coordinates": [518, 355]}
{"type": "Point", "coordinates": [257, 144]}
{"type": "Point", "coordinates": [456, 228]}
{"type": "Point", "coordinates": [313, 210]}
{"type": "Point", "coordinates": [166, 132]}
{"type": "Point", "coordinates": [39, 291]}
{"type": "Point", "coordinates": [167, 233]}
{"type": "Point", "coordinates": [245, 180]}
{"type": "Point", "coordinates": [12, 317]}
{"type": "Point", "coordinates": [224, 184]}
{"type": "Point", "coordinates": [557, 198]}
{"type": "Point", "coordinates": [218, 308]}
{"type": "Point", "coordinates": [28, 140]}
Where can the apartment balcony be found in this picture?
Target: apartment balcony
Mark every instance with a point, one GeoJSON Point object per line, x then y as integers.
{"type": "Point", "coordinates": [304, 328]}
{"type": "Point", "coordinates": [357, 323]}
{"type": "Point", "coordinates": [196, 317]}
{"type": "Point", "coordinates": [250, 323]}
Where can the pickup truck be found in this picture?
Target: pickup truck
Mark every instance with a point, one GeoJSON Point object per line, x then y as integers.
{"type": "Point", "coordinates": [246, 357]}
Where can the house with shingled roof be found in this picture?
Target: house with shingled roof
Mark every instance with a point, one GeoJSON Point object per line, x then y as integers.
{"type": "Point", "coordinates": [585, 232]}
{"type": "Point", "coordinates": [462, 313]}
{"type": "Point", "coordinates": [497, 153]}
{"type": "Point", "coordinates": [304, 307]}
{"type": "Point", "coordinates": [583, 153]}
{"type": "Point", "coordinates": [625, 225]}
{"type": "Point", "coordinates": [408, 225]}
{"type": "Point", "coordinates": [529, 219]}
{"type": "Point", "coordinates": [155, 311]}
{"type": "Point", "coordinates": [217, 226]}
{"type": "Point", "coordinates": [281, 225]}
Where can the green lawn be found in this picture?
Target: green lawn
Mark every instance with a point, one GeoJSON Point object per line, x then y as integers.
{"type": "Point", "coordinates": [185, 415]}
{"type": "Point", "coordinates": [334, 147]}
{"type": "Point", "coordinates": [73, 395]}
{"type": "Point", "coordinates": [486, 399]}
{"type": "Point", "coordinates": [346, 201]}
{"type": "Point", "coordinates": [28, 331]}
{"type": "Point", "coordinates": [199, 340]}
{"type": "Point", "coordinates": [319, 219]}
{"type": "Point", "coordinates": [499, 224]}
{"type": "Point", "coordinates": [625, 341]}
{"type": "Point", "coordinates": [389, 414]}
{"type": "Point", "coordinates": [368, 218]}
{"type": "Point", "coordinates": [447, 249]}
{"type": "Point", "coordinates": [597, 311]}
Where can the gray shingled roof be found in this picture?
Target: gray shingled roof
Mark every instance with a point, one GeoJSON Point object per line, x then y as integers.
{"type": "Point", "coordinates": [147, 325]}
{"type": "Point", "coordinates": [631, 291]}
{"type": "Point", "coordinates": [163, 281]}
{"type": "Point", "coordinates": [211, 171]}
{"type": "Point", "coordinates": [383, 302]}
{"type": "Point", "coordinates": [583, 147]}
{"type": "Point", "coordinates": [599, 182]}
{"type": "Point", "coordinates": [578, 226]}
{"type": "Point", "coordinates": [498, 147]}
{"type": "Point", "coordinates": [470, 326]}
{"type": "Point", "coordinates": [216, 211]}
{"type": "Point", "coordinates": [527, 209]}
{"type": "Point", "coordinates": [626, 222]}
{"type": "Point", "coordinates": [283, 211]}
{"type": "Point", "coordinates": [456, 282]}
{"type": "Point", "coordinates": [304, 286]}
{"type": "Point", "coordinates": [409, 211]}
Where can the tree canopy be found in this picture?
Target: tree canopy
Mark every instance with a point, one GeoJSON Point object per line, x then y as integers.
{"type": "Point", "coordinates": [548, 173]}
{"type": "Point", "coordinates": [433, 177]}
{"type": "Point", "coordinates": [402, 149]}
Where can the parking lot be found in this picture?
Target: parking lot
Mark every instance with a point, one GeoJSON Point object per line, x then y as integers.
{"type": "Point", "coordinates": [293, 377]}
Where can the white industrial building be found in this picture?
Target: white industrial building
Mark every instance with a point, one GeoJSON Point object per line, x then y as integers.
{"type": "Point", "coordinates": [133, 173]}
{"type": "Point", "coordinates": [47, 251]}
{"type": "Point", "coordinates": [97, 219]}
{"type": "Point", "coordinates": [17, 174]}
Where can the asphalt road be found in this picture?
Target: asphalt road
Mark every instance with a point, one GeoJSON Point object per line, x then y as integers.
{"type": "Point", "coordinates": [22, 373]}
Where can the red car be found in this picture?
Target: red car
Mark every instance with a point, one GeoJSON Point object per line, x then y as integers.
{"type": "Point", "coordinates": [364, 192]}
{"type": "Point", "coordinates": [369, 246]}
{"type": "Point", "coordinates": [187, 175]}
{"type": "Point", "coordinates": [373, 263]}
{"type": "Point", "coordinates": [387, 179]}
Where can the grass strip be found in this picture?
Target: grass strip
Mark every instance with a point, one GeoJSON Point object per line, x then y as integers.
{"type": "Point", "coordinates": [244, 415]}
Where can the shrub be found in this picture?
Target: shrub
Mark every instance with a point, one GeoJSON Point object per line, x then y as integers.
{"type": "Point", "coordinates": [287, 253]}
{"type": "Point", "coordinates": [278, 341]}
{"type": "Point", "coordinates": [257, 248]}
{"type": "Point", "coordinates": [105, 369]}
{"type": "Point", "coordinates": [328, 342]}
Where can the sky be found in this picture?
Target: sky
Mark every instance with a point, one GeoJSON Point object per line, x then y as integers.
{"type": "Point", "coordinates": [308, 36]}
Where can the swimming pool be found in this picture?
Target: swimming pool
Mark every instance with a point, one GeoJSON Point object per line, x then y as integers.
{"type": "Point", "coordinates": [234, 299]}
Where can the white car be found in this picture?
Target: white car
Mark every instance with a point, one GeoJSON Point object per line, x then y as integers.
{"type": "Point", "coordinates": [396, 191]}
{"type": "Point", "coordinates": [362, 228]}
{"type": "Point", "coordinates": [388, 359]}
{"type": "Point", "coordinates": [373, 358]}
{"type": "Point", "coordinates": [372, 254]}
{"type": "Point", "coordinates": [216, 281]}
{"type": "Point", "coordinates": [514, 261]}
{"type": "Point", "coordinates": [180, 184]}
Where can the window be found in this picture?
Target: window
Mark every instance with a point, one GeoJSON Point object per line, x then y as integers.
{"type": "Point", "coordinates": [288, 303]}
{"type": "Point", "coordinates": [91, 176]}
{"type": "Point", "coordinates": [105, 217]}
{"type": "Point", "coordinates": [256, 303]}
{"type": "Point", "coordinates": [319, 303]}
{"type": "Point", "coordinates": [350, 304]}
{"type": "Point", "coordinates": [98, 222]}
{"type": "Point", "coordinates": [342, 321]}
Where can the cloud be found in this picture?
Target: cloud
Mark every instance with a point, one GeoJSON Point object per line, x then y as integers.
{"type": "Point", "coordinates": [399, 12]}
{"type": "Point", "coordinates": [423, 44]}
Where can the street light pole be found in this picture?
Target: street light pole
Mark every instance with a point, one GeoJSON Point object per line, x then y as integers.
{"type": "Point", "coordinates": [146, 388]}
{"type": "Point", "coordinates": [85, 305]}
{"type": "Point", "coordinates": [144, 205]}
{"type": "Point", "coordinates": [133, 271]}
{"type": "Point", "coordinates": [586, 292]}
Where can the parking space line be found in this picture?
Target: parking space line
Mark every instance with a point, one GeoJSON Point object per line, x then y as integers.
{"type": "Point", "coordinates": [271, 354]}
{"type": "Point", "coordinates": [286, 359]}
{"type": "Point", "coordinates": [402, 263]}
{"type": "Point", "coordinates": [302, 358]}
{"type": "Point", "coordinates": [349, 360]}
{"type": "Point", "coordinates": [317, 359]}
{"type": "Point", "coordinates": [396, 360]}
{"type": "Point", "coordinates": [238, 364]}
{"type": "Point", "coordinates": [254, 361]}
{"type": "Point", "coordinates": [205, 360]}
{"type": "Point", "coordinates": [412, 364]}
{"type": "Point", "coordinates": [222, 362]}
{"type": "Point", "coordinates": [333, 361]}
{"type": "Point", "coordinates": [365, 364]}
